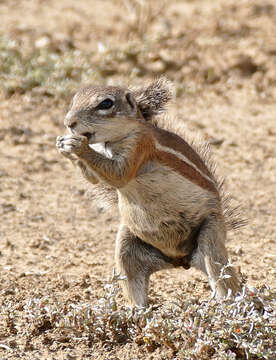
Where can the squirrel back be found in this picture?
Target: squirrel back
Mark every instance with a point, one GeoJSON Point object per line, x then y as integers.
{"type": "Point", "coordinates": [153, 100]}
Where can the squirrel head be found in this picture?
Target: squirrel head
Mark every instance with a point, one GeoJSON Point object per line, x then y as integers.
{"type": "Point", "coordinates": [108, 113]}
{"type": "Point", "coordinates": [102, 113]}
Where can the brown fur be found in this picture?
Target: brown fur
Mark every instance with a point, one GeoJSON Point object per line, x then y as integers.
{"type": "Point", "coordinates": [185, 170]}
{"type": "Point", "coordinates": [168, 198]}
{"type": "Point", "coordinates": [177, 143]}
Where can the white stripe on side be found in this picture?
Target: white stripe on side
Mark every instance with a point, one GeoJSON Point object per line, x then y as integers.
{"type": "Point", "coordinates": [183, 158]}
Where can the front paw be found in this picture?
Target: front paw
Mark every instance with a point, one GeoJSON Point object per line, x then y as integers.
{"type": "Point", "coordinates": [70, 145]}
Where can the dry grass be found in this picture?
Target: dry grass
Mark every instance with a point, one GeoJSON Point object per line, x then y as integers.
{"type": "Point", "coordinates": [141, 15]}
{"type": "Point", "coordinates": [43, 69]}
{"type": "Point", "coordinates": [243, 328]}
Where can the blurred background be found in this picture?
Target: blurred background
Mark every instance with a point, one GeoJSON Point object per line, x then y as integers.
{"type": "Point", "coordinates": [220, 56]}
{"type": "Point", "coordinates": [50, 47]}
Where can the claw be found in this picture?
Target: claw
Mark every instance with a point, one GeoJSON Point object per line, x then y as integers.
{"type": "Point", "coordinates": [69, 145]}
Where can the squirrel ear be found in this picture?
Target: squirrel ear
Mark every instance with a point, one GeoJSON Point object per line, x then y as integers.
{"type": "Point", "coordinates": [131, 101]}
{"type": "Point", "coordinates": [153, 98]}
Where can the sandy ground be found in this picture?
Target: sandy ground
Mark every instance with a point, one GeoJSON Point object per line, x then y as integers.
{"type": "Point", "coordinates": [53, 237]}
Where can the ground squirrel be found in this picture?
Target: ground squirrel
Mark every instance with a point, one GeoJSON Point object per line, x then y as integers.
{"type": "Point", "coordinates": [170, 203]}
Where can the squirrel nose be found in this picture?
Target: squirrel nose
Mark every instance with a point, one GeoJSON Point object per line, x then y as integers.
{"type": "Point", "coordinates": [72, 126]}
{"type": "Point", "coordinates": [69, 121]}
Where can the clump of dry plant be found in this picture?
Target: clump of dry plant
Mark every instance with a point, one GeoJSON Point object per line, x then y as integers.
{"type": "Point", "coordinates": [240, 328]}
{"type": "Point", "coordinates": [142, 13]}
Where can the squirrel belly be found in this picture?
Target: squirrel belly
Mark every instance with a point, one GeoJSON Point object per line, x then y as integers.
{"type": "Point", "coordinates": [164, 209]}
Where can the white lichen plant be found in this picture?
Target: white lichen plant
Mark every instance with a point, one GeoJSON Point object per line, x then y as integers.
{"type": "Point", "coordinates": [239, 328]}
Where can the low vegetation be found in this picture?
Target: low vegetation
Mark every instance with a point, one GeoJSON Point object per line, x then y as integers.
{"type": "Point", "coordinates": [42, 69]}
{"type": "Point", "coordinates": [243, 328]}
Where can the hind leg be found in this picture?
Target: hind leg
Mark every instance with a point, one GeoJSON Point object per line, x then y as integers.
{"type": "Point", "coordinates": [211, 257]}
{"type": "Point", "coordinates": [137, 261]}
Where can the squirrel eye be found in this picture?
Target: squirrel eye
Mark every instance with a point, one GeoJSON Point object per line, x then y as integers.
{"type": "Point", "coordinates": [105, 104]}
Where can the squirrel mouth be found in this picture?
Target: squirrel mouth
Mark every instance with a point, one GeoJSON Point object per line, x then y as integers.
{"type": "Point", "coordinates": [88, 135]}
